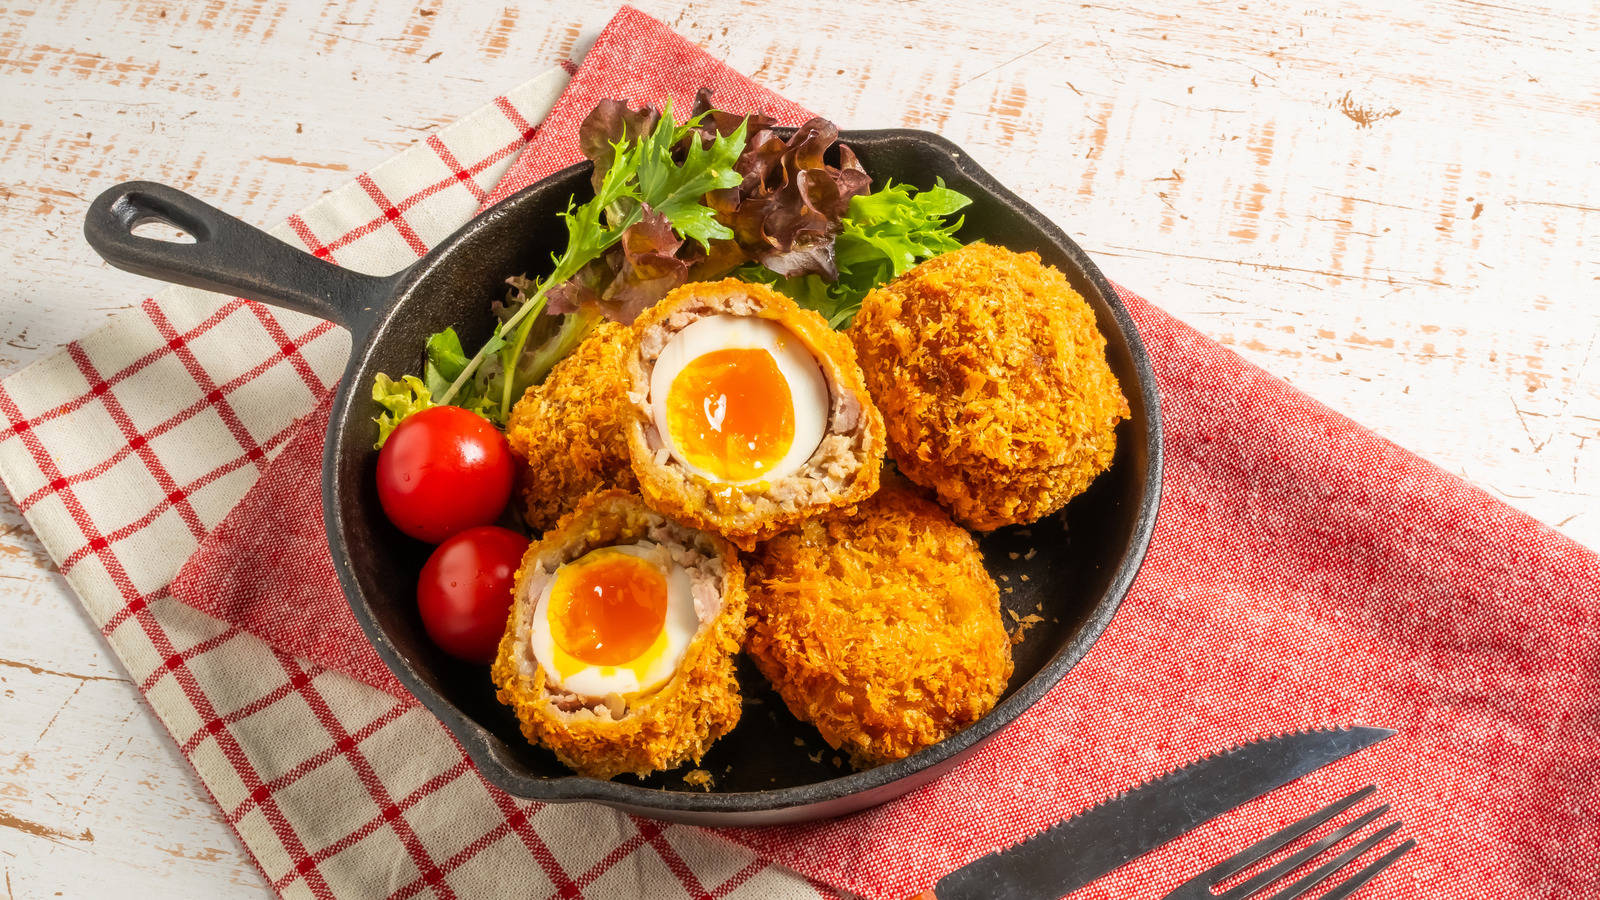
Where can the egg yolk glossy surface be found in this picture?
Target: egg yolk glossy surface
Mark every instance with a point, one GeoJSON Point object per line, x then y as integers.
{"type": "Point", "coordinates": [616, 620]}
{"type": "Point", "coordinates": [607, 607]}
{"type": "Point", "coordinates": [738, 399]}
{"type": "Point", "coordinates": [731, 413]}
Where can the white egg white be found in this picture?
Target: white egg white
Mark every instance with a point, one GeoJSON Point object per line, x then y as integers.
{"type": "Point", "coordinates": [646, 672]}
{"type": "Point", "coordinates": [808, 388]}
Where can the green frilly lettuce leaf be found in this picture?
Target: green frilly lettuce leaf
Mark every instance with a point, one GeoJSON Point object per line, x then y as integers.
{"type": "Point", "coordinates": [884, 234]}
{"type": "Point", "coordinates": [398, 400]}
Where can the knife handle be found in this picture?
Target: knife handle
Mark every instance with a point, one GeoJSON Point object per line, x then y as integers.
{"type": "Point", "coordinates": [925, 895]}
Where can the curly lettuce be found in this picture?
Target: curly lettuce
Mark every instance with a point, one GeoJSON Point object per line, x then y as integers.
{"type": "Point", "coordinates": [648, 200]}
{"type": "Point", "coordinates": [398, 399]}
{"type": "Point", "coordinates": [884, 234]}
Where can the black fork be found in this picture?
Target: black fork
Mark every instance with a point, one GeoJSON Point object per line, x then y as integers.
{"type": "Point", "coordinates": [1201, 886]}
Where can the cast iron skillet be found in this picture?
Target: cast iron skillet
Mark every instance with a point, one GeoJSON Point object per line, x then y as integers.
{"type": "Point", "coordinates": [771, 768]}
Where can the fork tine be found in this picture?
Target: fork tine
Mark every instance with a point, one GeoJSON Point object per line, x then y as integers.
{"type": "Point", "coordinates": [1355, 881]}
{"type": "Point", "coordinates": [1278, 839]}
{"type": "Point", "coordinates": [1258, 882]}
{"type": "Point", "coordinates": [1326, 871]}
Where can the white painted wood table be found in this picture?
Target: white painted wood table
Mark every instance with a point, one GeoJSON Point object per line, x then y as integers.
{"type": "Point", "coordinates": [1397, 211]}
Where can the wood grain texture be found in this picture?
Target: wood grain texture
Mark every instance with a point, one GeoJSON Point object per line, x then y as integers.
{"type": "Point", "coordinates": [1397, 210]}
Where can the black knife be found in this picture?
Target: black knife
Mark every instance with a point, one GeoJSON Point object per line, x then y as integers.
{"type": "Point", "coordinates": [1074, 852]}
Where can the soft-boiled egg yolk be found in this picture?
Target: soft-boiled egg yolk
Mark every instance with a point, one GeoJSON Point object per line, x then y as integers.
{"type": "Point", "coordinates": [730, 413]}
{"type": "Point", "coordinates": [607, 608]}
{"type": "Point", "coordinates": [738, 399]}
{"type": "Point", "coordinates": [616, 620]}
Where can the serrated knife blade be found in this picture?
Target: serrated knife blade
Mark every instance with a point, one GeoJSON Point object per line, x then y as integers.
{"type": "Point", "coordinates": [1076, 851]}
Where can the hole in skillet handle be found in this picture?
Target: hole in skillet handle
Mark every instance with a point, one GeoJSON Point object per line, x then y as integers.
{"type": "Point", "coordinates": [149, 212]}
{"type": "Point", "coordinates": [155, 229]}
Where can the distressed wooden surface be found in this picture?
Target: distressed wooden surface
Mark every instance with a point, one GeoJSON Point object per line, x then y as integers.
{"type": "Point", "coordinates": [1396, 211]}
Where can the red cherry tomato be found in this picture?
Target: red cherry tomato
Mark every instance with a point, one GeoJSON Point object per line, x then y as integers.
{"type": "Point", "coordinates": [442, 471]}
{"type": "Point", "coordinates": [464, 593]}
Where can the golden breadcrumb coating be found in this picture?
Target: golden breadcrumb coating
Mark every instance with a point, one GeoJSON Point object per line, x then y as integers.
{"type": "Point", "coordinates": [569, 428]}
{"type": "Point", "coordinates": [879, 626]}
{"type": "Point", "coordinates": [993, 382]}
{"type": "Point", "coordinates": [663, 729]}
{"type": "Point", "coordinates": [842, 471]}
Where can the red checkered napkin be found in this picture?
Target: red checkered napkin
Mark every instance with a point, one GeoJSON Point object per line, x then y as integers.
{"type": "Point", "coordinates": [127, 447]}
{"type": "Point", "coordinates": [1303, 573]}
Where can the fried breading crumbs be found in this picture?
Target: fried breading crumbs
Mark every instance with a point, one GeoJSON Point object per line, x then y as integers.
{"type": "Point", "coordinates": [893, 596]}
{"type": "Point", "coordinates": [993, 381]}
{"type": "Point", "coordinates": [1023, 624]}
{"type": "Point", "coordinates": [569, 429]}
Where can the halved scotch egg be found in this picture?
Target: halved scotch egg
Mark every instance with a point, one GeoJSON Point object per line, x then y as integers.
{"type": "Point", "coordinates": [619, 651]}
{"type": "Point", "coordinates": [750, 413]}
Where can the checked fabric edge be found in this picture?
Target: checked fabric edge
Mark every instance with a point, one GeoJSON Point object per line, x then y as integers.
{"type": "Point", "coordinates": [88, 554]}
{"type": "Point", "coordinates": [63, 415]}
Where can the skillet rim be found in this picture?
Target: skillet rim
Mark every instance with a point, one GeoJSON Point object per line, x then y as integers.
{"type": "Point", "coordinates": [823, 798]}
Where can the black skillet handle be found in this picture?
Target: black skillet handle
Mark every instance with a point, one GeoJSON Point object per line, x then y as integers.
{"type": "Point", "coordinates": [227, 256]}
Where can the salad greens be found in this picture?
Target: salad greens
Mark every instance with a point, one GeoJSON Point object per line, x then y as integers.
{"type": "Point", "coordinates": [644, 192]}
{"type": "Point", "coordinates": [644, 186]}
{"type": "Point", "coordinates": [398, 399]}
{"type": "Point", "coordinates": [884, 234]}
{"type": "Point", "coordinates": [674, 203]}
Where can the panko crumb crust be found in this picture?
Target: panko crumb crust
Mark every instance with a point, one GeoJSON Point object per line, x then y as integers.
{"type": "Point", "coordinates": [664, 729]}
{"type": "Point", "coordinates": [992, 380]}
{"type": "Point", "coordinates": [880, 626]}
{"type": "Point", "coordinates": [843, 470]}
{"type": "Point", "coordinates": [570, 428]}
